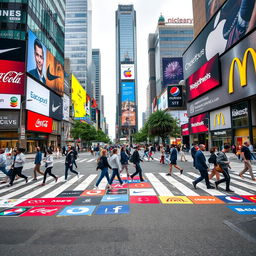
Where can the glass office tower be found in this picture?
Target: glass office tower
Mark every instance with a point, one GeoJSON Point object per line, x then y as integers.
{"type": "Point", "coordinates": [126, 73]}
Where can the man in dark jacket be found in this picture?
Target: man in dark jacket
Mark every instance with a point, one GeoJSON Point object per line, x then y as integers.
{"type": "Point", "coordinates": [135, 158]}
{"type": "Point", "coordinates": [173, 159]}
{"type": "Point", "coordinates": [38, 159]}
{"type": "Point", "coordinates": [193, 152]}
{"type": "Point", "coordinates": [200, 164]}
{"type": "Point", "coordinates": [69, 163]}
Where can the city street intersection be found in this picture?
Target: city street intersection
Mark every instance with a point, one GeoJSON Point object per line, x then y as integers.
{"type": "Point", "coordinates": [164, 215]}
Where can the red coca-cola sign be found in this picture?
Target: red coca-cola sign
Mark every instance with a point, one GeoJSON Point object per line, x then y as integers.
{"type": "Point", "coordinates": [12, 76]}
{"type": "Point", "coordinates": [199, 123]}
{"type": "Point", "coordinates": [39, 123]}
{"type": "Point", "coordinates": [185, 129]}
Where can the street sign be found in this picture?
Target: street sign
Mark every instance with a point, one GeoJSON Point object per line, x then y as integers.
{"type": "Point", "coordinates": [13, 212]}
{"type": "Point", "coordinates": [112, 209]}
{"type": "Point", "coordinates": [41, 211]}
{"type": "Point", "coordinates": [244, 209]}
{"type": "Point", "coordinates": [93, 200]}
{"type": "Point", "coordinates": [77, 210]}
{"type": "Point", "coordinates": [175, 200]}
{"type": "Point", "coordinates": [115, 198]}
{"type": "Point", "coordinates": [143, 192]}
{"type": "Point", "coordinates": [93, 192]}
{"type": "Point", "coordinates": [144, 200]}
{"type": "Point", "coordinates": [234, 200]}
{"type": "Point", "coordinates": [205, 200]}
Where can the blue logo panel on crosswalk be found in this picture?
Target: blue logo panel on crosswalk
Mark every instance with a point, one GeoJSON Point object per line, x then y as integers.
{"type": "Point", "coordinates": [234, 199]}
{"type": "Point", "coordinates": [112, 209]}
{"type": "Point", "coordinates": [244, 209]}
{"type": "Point", "coordinates": [115, 198]}
{"type": "Point", "coordinates": [77, 211]}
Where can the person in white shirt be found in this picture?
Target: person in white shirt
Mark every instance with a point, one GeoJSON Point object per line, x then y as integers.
{"type": "Point", "coordinates": [49, 165]}
{"type": "Point", "coordinates": [115, 164]}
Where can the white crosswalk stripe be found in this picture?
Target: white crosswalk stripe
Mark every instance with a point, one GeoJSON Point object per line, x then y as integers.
{"type": "Point", "coordinates": [83, 185]}
{"type": "Point", "coordinates": [91, 160]}
{"type": "Point", "coordinates": [15, 184]}
{"type": "Point", "coordinates": [245, 180]}
{"type": "Point", "coordinates": [80, 161]}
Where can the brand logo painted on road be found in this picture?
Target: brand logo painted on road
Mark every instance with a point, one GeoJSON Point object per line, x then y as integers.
{"type": "Point", "coordinates": [112, 209]}
{"type": "Point", "coordinates": [93, 200]}
{"type": "Point", "coordinates": [117, 185]}
{"type": "Point", "coordinates": [13, 212]}
{"type": "Point", "coordinates": [10, 202]}
{"type": "Point", "coordinates": [77, 210]}
{"type": "Point", "coordinates": [70, 193]}
{"type": "Point", "coordinates": [250, 198]}
{"type": "Point", "coordinates": [175, 200]}
{"type": "Point", "coordinates": [41, 211]}
{"type": "Point", "coordinates": [144, 200]}
{"type": "Point", "coordinates": [143, 192]}
{"type": "Point", "coordinates": [116, 192]}
{"type": "Point", "coordinates": [205, 200]}
{"type": "Point", "coordinates": [234, 199]}
{"type": "Point", "coordinates": [48, 201]}
{"type": "Point", "coordinates": [140, 185]}
{"type": "Point", "coordinates": [93, 192]}
{"type": "Point", "coordinates": [115, 198]}
{"type": "Point", "coordinates": [244, 209]}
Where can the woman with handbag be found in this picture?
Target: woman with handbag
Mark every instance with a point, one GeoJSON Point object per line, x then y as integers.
{"type": "Point", "coordinates": [103, 165]}
{"type": "Point", "coordinates": [49, 165]}
{"type": "Point", "coordinates": [213, 160]}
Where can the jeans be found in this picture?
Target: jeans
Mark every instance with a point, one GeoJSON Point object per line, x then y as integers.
{"type": "Point", "coordinates": [48, 171]}
{"type": "Point", "coordinates": [68, 166]}
{"type": "Point", "coordinates": [226, 178]}
{"type": "Point", "coordinates": [3, 169]}
{"type": "Point", "coordinates": [204, 175]}
{"type": "Point", "coordinates": [114, 174]}
{"type": "Point", "coordinates": [138, 171]}
{"type": "Point", "coordinates": [17, 171]}
{"type": "Point", "coordinates": [104, 173]}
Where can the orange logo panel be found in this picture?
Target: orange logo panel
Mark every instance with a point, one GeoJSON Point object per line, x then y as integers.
{"type": "Point", "coordinates": [205, 200]}
{"type": "Point", "coordinates": [93, 192]}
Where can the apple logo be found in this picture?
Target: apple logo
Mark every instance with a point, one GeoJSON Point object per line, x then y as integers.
{"type": "Point", "coordinates": [215, 42]}
{"type": "Point", "coordinates": [128, 73]}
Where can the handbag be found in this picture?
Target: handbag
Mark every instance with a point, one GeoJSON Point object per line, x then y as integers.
{"type": "Point", "coordinates": [100, 164]}
{"type": "Point", "coordinates": [218, 168]}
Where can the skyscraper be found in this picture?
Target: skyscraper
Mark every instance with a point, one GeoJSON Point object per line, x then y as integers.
{"type": "Point", "coordinates": [78, 40]}
{"type": "Point", "coordinates": [126, 72]}
{"type": "Point", "coordinates": [96, 75]}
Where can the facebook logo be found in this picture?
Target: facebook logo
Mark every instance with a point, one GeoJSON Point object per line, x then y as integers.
{"type": "Point", "coordinates": [112, 209]}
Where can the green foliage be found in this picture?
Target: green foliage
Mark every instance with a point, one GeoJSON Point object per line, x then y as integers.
{"type": "Point", "coordinates": [141, 135]}
{"type": "Point", "coordinates": [102, 137]}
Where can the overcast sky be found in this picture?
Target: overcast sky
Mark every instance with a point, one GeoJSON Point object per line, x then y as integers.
{"type": "Point", "coordinates": [103, 30]}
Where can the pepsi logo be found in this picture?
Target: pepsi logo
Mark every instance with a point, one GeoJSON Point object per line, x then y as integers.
{"type": "Point", "coordinates": [175, 91]}
{"type": "Point", "coordinates": [234, 199]}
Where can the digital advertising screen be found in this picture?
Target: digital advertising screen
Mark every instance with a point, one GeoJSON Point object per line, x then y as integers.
{"type": "Point", "coordinates": [127, 72]}
{"type": "Point", "coordinates": [199, 123]}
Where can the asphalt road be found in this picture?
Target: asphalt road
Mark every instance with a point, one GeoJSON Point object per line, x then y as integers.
{"type": "Point", "coordinates": [148, 229]}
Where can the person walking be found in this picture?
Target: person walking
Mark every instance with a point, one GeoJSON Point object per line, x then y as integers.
{"type": "Point", "coordinates": [124, 161]}
{"type": "Point", "coordinates": [63, 151]}
{"type": "Point", "coordinates": [223, 161]}
{"type": "Point", "coordinates": [17, 166]}
{"type": "Point", "coordinates": [135, 158]}
{"type": "Point", "coordinates": [173, 159]}
{"type": "Point", "coordinates": [162, 155]}
{"type": "Point", "coordinates": [200, 164]}
{"type": "Point", "coordinates": [69, 163]}
{"type": "Point", "coordinates": [167, 153]}
{"type": "Point", "coordinates": [213, 160]}
{"type": "Point", "coordinates": [3, 163]}
{"type": "Point", "coordinates": [49, 165]}
{"type": "Point", "coordinates": [115, 164]}
{"type": "Point", "coordinates": [182, 154]}
{"type": "Point", "coordinates": [150, 153]}
{"type": "Point", "coordinates": [75, 155]}
{"type": "Point", "coordinates": [145, 152]}
{"type": "Point", "coordinates": [104, 165]}
{"type": "Point", "coordinates": [58, 153]}
{"type": "Point", "coordinates": [193, 152]}
{"type": "Point", "coordinates": [37, 162]}
{"type": "Point", "coordinates": [246, 157]}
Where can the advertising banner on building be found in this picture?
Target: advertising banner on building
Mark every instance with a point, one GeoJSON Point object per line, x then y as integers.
{"type": "Point", "coordinates": [162, 101]}
{"type": "Point", "coordinates": [13, 12]}
{"type": "Point", "coordinates": [180, 115]}
{"type": "Point", "coordinates": [253, 108]}
{"type": "Point", "coordinates": [240, 114]}
{"type": "Point", "coordinates": [78, 98]}
{"type": "Point", "coordinates": [204, 79]}
{"type": "Point", "coordinates": [185, 129]}
{"type": "Point", "coordinates": [55, 127]}
{"type": "Point", "coordinates": [43, 66]}
{"type": "Point", "coordinates": [199, 123]}
{"type": "Point", "coordinates": [127, 72]}
{"type": "Point", "coordinates": [238, 78]}
{"type": "Point", "coordinates": [172, 70]}
{"type": "Point", "coordinates": [66, 107]}
{"type": "Point", "coordinates": [38, 123]}
{"type": "Point", "coordinates": [220, 119]}
{"type": "Point", "coordinates": [211, 6]}
{"type": "Point", "coordinates": [234, 20]}
{"type": "Point", "coordinates": [39, 97]}
{"type": "Point", "coordinates": [9, 120]}
{"type": "Point", "coordinates": [174, 94]}
{"type": "Point", "coordinates": [56, 106]}
{"type": "Point", "coordinates": [128, 110]}
{"type": "Point", "coordinates": [9, 101]}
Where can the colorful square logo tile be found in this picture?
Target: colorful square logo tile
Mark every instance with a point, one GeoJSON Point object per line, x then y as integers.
{"type": "Point", "coordinates": [10, 202]}
{"type": "Point", "coordinates": [234, 200]}
{"type": "Point", "coordinates": [112, 209]}
{"type": "Point", "coordinates": [244, 209]}
{"type": "Point", "coordinates": [140, 185]}
{"type": "Point", "coordinates": [205, 200]}
{"type": "Point", "coordinates": [115, 198]}
{"type": "Point", "coordinates": [13, 212]}
{"type": "Point", "coordinates": [41, 211]}
{"type": "Point", "coordinates": [77, 210]}
{"type": "Point", "coordinates": [70, 193]}
{"type": "Point", "coordinates": [48, 201]}
{"type": "Point", "coordinates": [175, 200]}
{"type": "Point", "coordinates": [93, 192]}
{"type": "Point", "coordinates": [142, 192]}
{"type": "Point", "coordinates": [144, 200]}
{"type": "Point", "coordinates": [93, 200]}
{"type": "Point", "coordinates": [125, 185]}
{"type": "Point", "coordinates": [250, 198]}
{"type": "Point", "coordinates": [116, 191]}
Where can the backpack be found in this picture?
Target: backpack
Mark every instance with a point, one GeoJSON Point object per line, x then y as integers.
{"type": "Point", "coordinates": [211, 160]}
{"type": "Point", "coordinates": [100, 164]}
{"type": "Point", "coordinates": [132, 158]}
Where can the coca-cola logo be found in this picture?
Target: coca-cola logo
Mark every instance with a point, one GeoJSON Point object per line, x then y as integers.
{"type": "Point", "coordinates": [11, 77]}
{"type": "Point", "coordinates": [41, 123]}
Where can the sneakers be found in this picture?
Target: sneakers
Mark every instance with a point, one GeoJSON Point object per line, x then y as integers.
{"type": "Point", "coordinates": [194, 184]}
{"type": "Point", "coordinates": [95, 187]}
{"type": "Point", "coordinates": [26, 179]}
{"type": "Point", "coordinates": [42, 184]}
{"type": "Point", "coordinates": [35, 179]}
{"type": "Point", "coordinates": [168, 174]}
{"type": "Point", "coordinates": [78, 175]}
{"type": "Point", "coordinates": [181, 171]}
{"type": "Point", "coordinates": [56, 179]}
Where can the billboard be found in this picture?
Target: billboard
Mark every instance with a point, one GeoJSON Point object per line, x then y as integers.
{"type": "Point", "coordinates": [204, 79]}
{"type": "Point", "coordinates": [240, 114]}
{"type": "Point", "coordinates": [66, 107]}
{"type": "Point", "coordinates": [38, 123]}
{"type": "Point", "coordinates": [220, 119]}
{"type": "Point", "coordinates": [238, 78]}
{"type": "Point", "coordinates": [9, 101]}
{"type": "Point", "coordinates": [43, 66]}
{"type": "Point", "coordinates": [78, 98]}
{"type": "Point", "coordinates": [13, 12]}
{"type": "Point", "coordinates": [56, 106]}
{"type": "Point", "coordinates": [40, 97]}
{"type": "Point", "coordinates": [9, 120]}
{"type": "Point", "coordinates": [185, 129]}
{"type": "Point", "coordinates": [199, 123]}
{"type": "Point", "coordinates": [181, 115]}
{"type": "Point", "coordinates": [128, 111]}
{"type": "Point", "coordinates": [234, 20]}
{"type": "Point", "coordinates": [211, 6]}
{"type": "Point", "coordinates": [172, 70]}
{"type": "Point", "coordinates": [174, 94]}
{"type": "Point", "coordinates": [162, 101]}
{"type": "Point", "coordinates": [127, 72]}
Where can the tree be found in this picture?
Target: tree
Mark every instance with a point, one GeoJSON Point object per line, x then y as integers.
{"type": "Point", "coordinates": [83, 131]}
{"type": "Point", "coordinates": [102, 137]}
{"type": "Point", "coordinates": [141, 135]}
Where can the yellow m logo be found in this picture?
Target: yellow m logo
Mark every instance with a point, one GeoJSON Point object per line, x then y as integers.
{"type": "Point", "coordinates": [219, 119]}
{"type": "Point", "coordinates": [242, 68]}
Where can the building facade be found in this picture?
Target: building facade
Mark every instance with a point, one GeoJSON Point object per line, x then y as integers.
{"type": "Point", "coordinates": [96, 75]}
{"type": "Point", "coordinates": [126, 73]}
